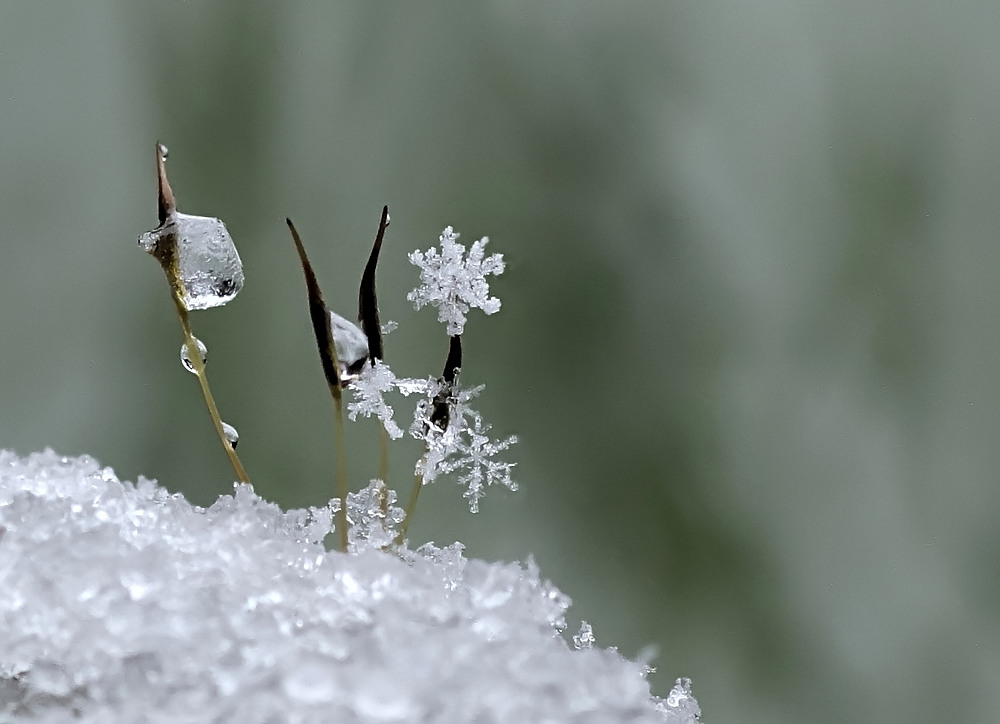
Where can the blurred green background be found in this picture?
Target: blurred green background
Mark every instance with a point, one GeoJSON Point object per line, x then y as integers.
{"type": "Point", "coordinates": [749, 336]}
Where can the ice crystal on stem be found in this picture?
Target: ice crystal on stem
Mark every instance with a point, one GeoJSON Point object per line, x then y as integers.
{"type": "Point", "coordinates": [454, 282]}
{"type": "Point", "coordinates": [463, 445]}
{"type": "Point", "coordinates": [368, 389]}
{"type": "Point", "coordinates": [196, 252]}
{"type": "Point", "coordinates": [199, 259]}
{"type": "Point", "coordinates": [373, 517]}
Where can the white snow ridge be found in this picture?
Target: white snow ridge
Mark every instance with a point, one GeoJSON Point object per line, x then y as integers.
{"type": "Point", "coordinates": [120, 602]}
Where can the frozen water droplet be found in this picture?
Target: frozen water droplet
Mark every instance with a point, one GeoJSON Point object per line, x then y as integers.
{"type": "Point", "coordinates": [351, 346]}
{"type": "Point", "coordinates": [186, 360]}
{"type": "Point", "coordinates": [208, 266]}
{"type": "Point", "coordinates": [231, 435]}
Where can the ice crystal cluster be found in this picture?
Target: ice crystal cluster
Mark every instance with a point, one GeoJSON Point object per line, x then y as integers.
{"type": "Point", "coordinates": [452, 279]}
{"type": "Point", "coordinates": [120, 602]}
{"type": "Point", "coordinates": [462, 447]}
{"type": "Point", "coordinates": [455, 282]}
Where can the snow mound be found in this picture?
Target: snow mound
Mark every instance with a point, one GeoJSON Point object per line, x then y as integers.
{"type": "Point", "coordinates": [120, 602]}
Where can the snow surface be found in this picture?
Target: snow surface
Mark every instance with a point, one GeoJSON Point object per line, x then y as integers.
{"type": "Point", "coordinates": [120, 602]}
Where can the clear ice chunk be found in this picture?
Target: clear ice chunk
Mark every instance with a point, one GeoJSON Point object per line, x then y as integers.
{"type": "Point", "coordinates": [186, 359]}
{"type": "Point", "coordinates": [196, 252]}
{"type": "Point", "coordinates": [208, 266]}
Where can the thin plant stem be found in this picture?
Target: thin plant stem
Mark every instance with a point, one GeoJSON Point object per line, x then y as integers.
{"type": "Point", "coordinates": [411, 504]}
{"type": "Point", "coordinates": [383, 464]}
{"type": "Point", "coordinates": [199, 370]}
{"type": "Point", "coordinates": [339, 449]}
{"type": "Point", "coordinates": [326, 347]}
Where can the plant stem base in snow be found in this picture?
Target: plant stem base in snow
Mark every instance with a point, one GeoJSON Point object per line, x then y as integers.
{"type": "Point", "coordinates": [123, 603]}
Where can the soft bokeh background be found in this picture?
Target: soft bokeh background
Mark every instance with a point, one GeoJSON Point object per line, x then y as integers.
{"type": "Point", "coordinates": [749, 336]}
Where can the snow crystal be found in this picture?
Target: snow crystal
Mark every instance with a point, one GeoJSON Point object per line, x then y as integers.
{"type": "Point", "coordinates": [458, 444]}
{"type": "Point", "coordinates": [368, 389]}
{"type": "Point", "coordinates": [123, 603]}
{"type": "Point", "coordinates": [454, 282]}
{"type": "Point", "coordinates": [584, 639]}
{"type": "Point", "coordinates": [680, 706]}
{"type": "Point", "coordinates": [373, 515]}
{"type": "Point", "coordinates": [462, 446]}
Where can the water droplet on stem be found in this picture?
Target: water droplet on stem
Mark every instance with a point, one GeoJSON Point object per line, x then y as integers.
{"type": "Point", "coordinates": [186, 359]}
{"type": "Point", "coordinates": [231, 435]}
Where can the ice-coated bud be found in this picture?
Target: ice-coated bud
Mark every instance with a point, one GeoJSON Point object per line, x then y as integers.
{"type": "Point", "coordinates": [196, 252]}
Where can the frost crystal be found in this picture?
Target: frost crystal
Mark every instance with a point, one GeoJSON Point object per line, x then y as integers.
{"type": "Point", "coordinates": [122, 603]}
{"type": "Point", "coordinates": [474, 455]}
{"type": "Point", "coordinates": [584, 639]}
{"type": "Point", "coordinates": [454, 282]}
{"type": "Point", "coordinates": [680, 706]}
{"type": "Point", "coordinates": [368, 389]}
{"type": "Point", "coordinates": [373, 517]}
{"type": "Point", "coordinates": [462, 446]}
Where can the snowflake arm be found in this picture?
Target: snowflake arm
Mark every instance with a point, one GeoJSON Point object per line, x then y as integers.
{"type": "Point", "coordinates": [475, 458]}
{"type": "Point", "coordinates": [368, 389]}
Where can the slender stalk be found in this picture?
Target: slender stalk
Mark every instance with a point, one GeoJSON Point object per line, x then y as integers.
{"type": "Point", "coordinates": [383, 464]}
{"type": "Point", "coordinates": [418, 483]}
{"type": "Point", "coordinates": [326, 347]}
{"type": "Point", "coordinates": [164, 249]}
{"type": "Point", "coordinates": [194, 355]}
{"type": "Point", "coordinates": [440, 418]}
{"type": "Point", "coordinates": [339, 450]}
